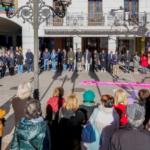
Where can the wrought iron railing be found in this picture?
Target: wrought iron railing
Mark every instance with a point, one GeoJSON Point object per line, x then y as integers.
{"type": "Point", "coordinates": [101, 19]}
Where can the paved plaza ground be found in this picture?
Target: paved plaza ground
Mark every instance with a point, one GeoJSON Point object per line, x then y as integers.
{"type": "Point", "coordinates": [71, 82]}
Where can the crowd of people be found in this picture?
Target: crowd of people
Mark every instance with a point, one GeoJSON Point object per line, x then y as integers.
{"type": "Point", "coordinates": [110, 123]}
{"type": "Point", "coordinates": [62, 60]}
{"type": "Point", "coordinates": [14, 61]}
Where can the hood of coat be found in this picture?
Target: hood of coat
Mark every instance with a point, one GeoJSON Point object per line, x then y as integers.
{"type": "Point", "coordinates": [30, 129]}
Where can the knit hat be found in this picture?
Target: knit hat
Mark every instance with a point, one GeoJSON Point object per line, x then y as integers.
{"type": "Point", "coordinates": [88, 96]}
{"type": "Point", "coordinates": [136, 114]}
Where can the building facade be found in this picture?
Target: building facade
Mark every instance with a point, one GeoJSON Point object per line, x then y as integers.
{"type": "Point", "coordinates": [94, 24]}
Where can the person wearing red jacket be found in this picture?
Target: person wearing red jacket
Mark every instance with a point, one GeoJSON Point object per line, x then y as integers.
{"type": "Point", "coordinates": [121, 105]}
{"type": "Point", "coordinates": [144, 63]}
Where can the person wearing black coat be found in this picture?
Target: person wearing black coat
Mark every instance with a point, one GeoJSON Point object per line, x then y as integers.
{"type": "Point", "coordinates": [127, 60]}
{"type": "Point", "coordinates": [103, 60]}
{"type": "Point", "coordinates": [3, 59]}
{"type": "Point", "coordinates": [19, 58]}
{"type": "Point", "coordinates": [29, 60]}
{"type": "Point", "coordinates": [11, 63]}
{"type": "Point", "coordinates": [87, 59]}
{"type": "Point", "coordinates": [133, 136]}
{"type": "Point", "coordinates": [95, 60]}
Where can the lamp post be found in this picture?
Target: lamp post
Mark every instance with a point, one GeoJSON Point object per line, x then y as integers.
{"type": "Point", "coordinates": [36, 12]}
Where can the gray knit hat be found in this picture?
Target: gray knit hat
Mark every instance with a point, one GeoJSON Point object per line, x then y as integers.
{"type": "Point", "coordinates": [136, 114]}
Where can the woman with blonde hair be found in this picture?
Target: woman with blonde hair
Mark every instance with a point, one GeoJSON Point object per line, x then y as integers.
{"type": "Point", "coordinates": [70, 124]}
{"type": "Point", "coordinates": [120, 105]}
{"type": "Point", "coordinates": [19, 102]}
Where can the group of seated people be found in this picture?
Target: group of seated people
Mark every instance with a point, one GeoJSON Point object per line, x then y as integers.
{"type": "Point", "coordinates": [111, 123]}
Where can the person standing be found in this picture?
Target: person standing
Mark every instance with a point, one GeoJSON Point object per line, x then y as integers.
{"type": "Point", "coordinates": [95, 61]}
{"type": "Point", "coordinates": [64, 59]}
{"type": "Point", "coordinates": [79, 60]}
{"type": "Point", "coordinates": [87, 59]}
{"type": "Point", "coordinates": [5, 63]}
{"type": "Point", "coordinates": [110, 62]}
{"type": "Point", "coordinates": [136, 62]}
{"type": "Point", "coordinates": [103, 60]}
{"type": "Point", "coordinates": [115, 65]}
{"type": "Point", "coordinates": [54, 60]}
{"type": "Point", "coordinates": [127, 61]}
{"type": "Point", "coordinates": [144, 63]}
{"type": "Point", "coordinates": [29, 60]}
{"type": "Point", "coordinates": [19, 58]}
{"type": "Point", "coordinates": [71, 58]}
{"type": "Point", "coordinates": [132, 136]}
{"type": "Point", "coordinates": [60, 57]}
{"type": "Point", "coordinates": [46, 58]}
{"type": "Point", "coordinates": [11, 63]}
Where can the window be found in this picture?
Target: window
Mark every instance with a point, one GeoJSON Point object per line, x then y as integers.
{"type": "Point", "coordinates": [95, 12]}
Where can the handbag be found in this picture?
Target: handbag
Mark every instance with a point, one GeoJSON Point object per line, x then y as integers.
{"type": "Point", "coordinates": [88, 132]}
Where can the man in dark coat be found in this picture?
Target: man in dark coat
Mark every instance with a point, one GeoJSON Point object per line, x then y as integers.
{"type": "Point", "coordinates": [127, 60]}
{"type": "Point", "coordinates": [19, 58]}
{"type": "Point", "coordinates": [132, 136]}
{"type": "Point", "coordinates": [29, 60]}
{"type": "Point", "coordinates": [103, 60]}
{"type": "Point", "coordinates": [109, 61]}
{"type": "Point", "coordinates": [3, 59]}
{"type": "Point", "coordinates": [79, 60]}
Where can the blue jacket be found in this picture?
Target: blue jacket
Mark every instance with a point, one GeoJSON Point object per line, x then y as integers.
{"type": "Point", "coordinates": [31, 135]}
{"type": "Point", "coordinates": [46, 55]}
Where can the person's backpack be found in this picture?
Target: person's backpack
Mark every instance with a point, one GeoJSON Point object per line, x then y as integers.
{"type": "Point", "coordinates": [89, 130]}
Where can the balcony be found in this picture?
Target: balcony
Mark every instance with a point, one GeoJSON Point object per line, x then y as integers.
{"type": "Point", "coordinates": [102, 20]}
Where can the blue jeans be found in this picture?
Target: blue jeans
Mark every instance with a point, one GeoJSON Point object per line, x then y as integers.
{"type": "Point", "coordinates": [71, 66]}
{"type": "Point", "coordinates": [46, 64]}
{"type": "Point", "coordinates": [20, 69]}
{"type": "Point", "coordinates": [64, 67]}
{"type": "Point", "coordinates": [29, 67]}
{"type": "Point", "coordinates": [54, 64]}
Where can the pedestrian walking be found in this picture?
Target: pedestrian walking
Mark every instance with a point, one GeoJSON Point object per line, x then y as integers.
{"type": "Point", "coordinates": [64, 59]}
{"type": "Point", "coordinates": [144, 63]}
{"type": "Point", "coordinates": [60, 59]}
{"type": "Point", "coordinates": [79, 60]}
{"type": "Point", "coordinates": [110, 62]}
{"type": "Point", "coordinates": [95, 61]}
{"type": "Point", "coordinates": [136, 62]}
{"type": "Point", "coordinates": [11, 63]}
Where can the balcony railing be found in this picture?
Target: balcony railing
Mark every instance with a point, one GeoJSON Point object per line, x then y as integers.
{"type": "Point", "coordinates": [82, 19]}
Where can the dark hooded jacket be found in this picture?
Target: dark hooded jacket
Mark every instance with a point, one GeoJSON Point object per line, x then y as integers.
{"type": "Point", "coordinates": [31, 135]}
{"type": "Point", "coordinates": [130, 138]}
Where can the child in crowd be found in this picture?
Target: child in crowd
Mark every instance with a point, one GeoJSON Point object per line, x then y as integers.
{"type": "Point", "coordinates": [121, 105]}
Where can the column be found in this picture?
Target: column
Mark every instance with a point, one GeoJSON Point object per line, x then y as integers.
{"type": "Point", "coordinates": [77, 43]}
{"type": "Point", "coordinates": [112, 43]}
{"type": "Point", "coordinates": [27, 40]}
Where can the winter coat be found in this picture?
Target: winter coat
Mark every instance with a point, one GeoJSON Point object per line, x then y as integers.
{"type": "Point", "coordinates": [31, 135]}
{"type": "Point", "coordinates": [54, 57]}
{"type": "Point", "coordinates": [70, 128]}
{"type": "Point", "coordinates": [115, 59]}
{"type": "Point", "coordinates": [105, 122]}
{"type": "Point", "coordinates": [46, 55]}
{"type": "Point", "coordinates": [144, 61]}
{"type": "Point", "coordinates": [88, 109]}
{"type": "Point", "coordinates": [127, 58]}
{"type": "Point", "coordinates": [29, 58]}
{"type": "Point", "coordinates": [19, 59]}
{"type": "Point", "coordinates": [55, 103]}
{"type": "Point", "coordinates": [11, 62]}
{"type": "Point", "coordinates": [128, 138]}
{"type": "Point", "coordinates": [121, 110]}
{"type": "Point", "coordinates": [71, 56]}
{"type": "Point", "coordinates": [18, 107]}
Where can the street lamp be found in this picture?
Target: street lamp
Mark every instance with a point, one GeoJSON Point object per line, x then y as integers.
{"type": "Point", "coordinates": [36, 12]}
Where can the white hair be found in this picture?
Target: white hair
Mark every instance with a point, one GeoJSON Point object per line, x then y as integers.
{"type": "Point", "coordinates": [24, 90]}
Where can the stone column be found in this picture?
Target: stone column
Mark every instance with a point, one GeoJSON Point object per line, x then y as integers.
{"type": "Point", "coordinates": [112, 43]}
{"type": "Point", "coordinates": [77, 43]}
{"type": "Point", "coordinates": [27, 39]}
